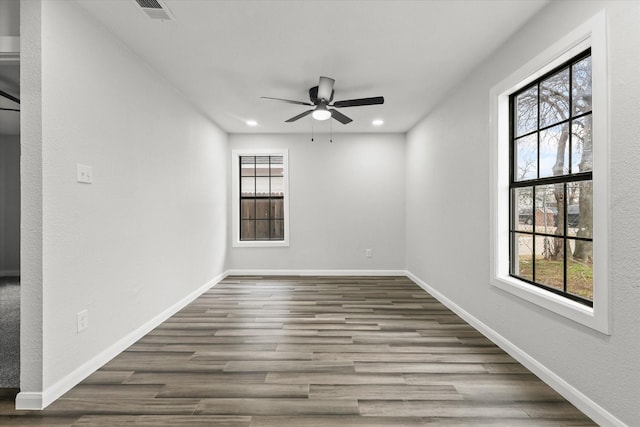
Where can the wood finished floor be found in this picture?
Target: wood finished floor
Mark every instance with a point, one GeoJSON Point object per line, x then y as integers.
{"type": "Point", "coordinates": [309, 351]}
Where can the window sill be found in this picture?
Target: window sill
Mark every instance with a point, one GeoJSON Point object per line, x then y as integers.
{"type": "Point", "coordinates": [261, 244]}
{"type": "Point", "coordinates": [558, 304]}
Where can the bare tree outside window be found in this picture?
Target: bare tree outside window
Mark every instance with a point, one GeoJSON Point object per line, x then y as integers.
{"type": "Point", "coordinates": [551, 181]}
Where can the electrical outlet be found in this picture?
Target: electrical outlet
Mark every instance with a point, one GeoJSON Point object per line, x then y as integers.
{"type": "Point", "coordinates": [368, 253]}
{"type": "Point", "coordinates": [83, 320]}
{"type": "Point", "coordinates": [85, 174]}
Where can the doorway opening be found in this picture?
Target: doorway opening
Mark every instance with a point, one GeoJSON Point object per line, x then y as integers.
{"type": "Point", "coordinates": [9, 195]}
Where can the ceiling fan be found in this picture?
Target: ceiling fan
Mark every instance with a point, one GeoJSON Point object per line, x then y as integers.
{"type": "Point", "coordinates": [321, 97]}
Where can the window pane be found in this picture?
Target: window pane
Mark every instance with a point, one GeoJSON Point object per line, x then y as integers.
{"type": "Point", "coordinates": [262, 229]}
{"type": "Point", "coordinates": [549, 201]}
{"type": "Point", "coordinates": [276, 166]}
{"type": "Point", "coordinates": [551, 224]}
{"type": "Point", "coordinates": [277, 208]}
{"type": "Point", "coordinates": [247, 166]}
{"type": "Point", "coordinates": [554, 151]}
{"type": "Point", "coordinates": [527, 111]}
{"type": "Point", "coordinates": [580, 269]}
{"type": "Point", "coordinates": [262, 188]}
{"type": "Point", "coordinates": [247, 208]}
{"type": "Point", "coordinates": [580, 209]}
{"type": "Point", "coordinates": [522, 260]}
{"type": "Point", "coordinates": [277, 230]}
{"type": "Point", "coordinates": [277, 186]}
{"type": "Point", "coordinates": [248, 186]}
{"type": "Point", "coordinates": [523, 205]}
{"type": "Point", "coordinates": [262, 165]}
{"type": "Point", "coordinates": [526, 160]}
{"type": "Point", "coordinates": [581, 86]}
{"type": "Point", "coordinates": [554, 98]}
{"type": "Point", "coordinates": [581, 145]}
{"type": "Point", "coordinates": [262, 208]}
{"type": "Point", "coordinates": [262, 185]}
{"type": "Point", "coordinates": [549, 270]}
{"type": "Point", "coordinates": [247, 230]}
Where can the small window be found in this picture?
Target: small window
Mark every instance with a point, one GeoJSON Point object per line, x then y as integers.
{"type": "Point", "coordinates": [260, 205]}
{"type": "Point", "coordinates": [261, 198]}
{"type": "Point", "coordinates": [551, 182]}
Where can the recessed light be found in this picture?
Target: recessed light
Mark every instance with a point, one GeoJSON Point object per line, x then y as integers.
{"type": "Point", "coordinates": [251, 123]}
{"type": "Point", "coordinates": [377, 122]}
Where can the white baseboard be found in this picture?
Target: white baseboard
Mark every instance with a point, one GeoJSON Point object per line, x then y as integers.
{"type": "Point", "coordinates": [577, 398]}
{"type": "Point", "coordinates": [241, 272]}
{"type": "Point", "coordinates": [40, 400]}
{"type": "Point", "coordinates": [29, 401]}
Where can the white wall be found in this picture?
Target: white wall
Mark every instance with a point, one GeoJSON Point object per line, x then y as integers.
{"type": "Point", "coordinates": [148, 232]}
{"type": "Point", "coordinates": [447, 237]}
{"type": "Point", "coordinates": [31, 200]}
{"type": "Point", "coordinates": [9, 205]}
{"type": "Point", "coordinates": [345, 196]}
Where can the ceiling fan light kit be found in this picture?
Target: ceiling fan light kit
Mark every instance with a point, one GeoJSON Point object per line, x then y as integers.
{"type": "Point", "coordinates": [321, 97]}
{"type": "Point", "coordinates": [321, 113]}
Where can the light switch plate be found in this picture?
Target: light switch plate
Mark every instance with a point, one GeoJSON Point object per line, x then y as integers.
{"type": "Point", "coordinates": [83, 320]}
{"type": "Point", "coordinates": [85, 174]}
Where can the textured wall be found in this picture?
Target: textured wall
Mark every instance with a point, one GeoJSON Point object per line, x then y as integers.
{"type": "Point", "coordinates": [149, 231]}
{"type": "Point", "coordinates": [448, 212]}
{"type": "Point", "coordinates": [31, 290]}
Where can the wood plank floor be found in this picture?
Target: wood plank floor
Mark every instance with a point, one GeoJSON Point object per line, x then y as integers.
{"type": "Point", "coordinates": [309, 351]}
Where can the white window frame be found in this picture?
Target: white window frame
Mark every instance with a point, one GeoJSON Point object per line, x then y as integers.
{"type": "Point", "coordinates": [590, 34]}
{"type": "Point", "coordinates": [235, 198]}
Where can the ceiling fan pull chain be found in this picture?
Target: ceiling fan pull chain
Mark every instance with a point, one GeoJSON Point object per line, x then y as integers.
{"type": "Point", "coordinates": [311, 130]}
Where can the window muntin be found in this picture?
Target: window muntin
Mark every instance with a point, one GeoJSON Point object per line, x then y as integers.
{"type": "Point", "coordinates": [262, 198]}
{"type": "Point", "coordinates": [551, 182]}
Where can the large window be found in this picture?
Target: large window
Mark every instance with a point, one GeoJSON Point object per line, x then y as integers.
{"type": "Point", "coordinates": [551, 233]}
{"type": "Point", "coordinates": [550, 179]}
{"type": "Point", "coordinates": [260, 202]}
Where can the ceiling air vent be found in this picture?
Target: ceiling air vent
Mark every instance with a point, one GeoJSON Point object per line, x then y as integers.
{"type": "Point", "coordinates": [155, 9]}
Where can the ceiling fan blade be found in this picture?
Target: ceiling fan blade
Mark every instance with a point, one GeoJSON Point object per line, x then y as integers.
{"type": "Point", "coordinates": [9, 96]}
{"type": "Point", "coordinates": [325, 88]}
{"type": "Point", "coordinates": [340, 117]}
{"type": "Point", "coordinates": [359, 102]}
{"type": "Point", "coordinates": [299, 116]}
{"type": "Point", "coordinates": [288, 100]}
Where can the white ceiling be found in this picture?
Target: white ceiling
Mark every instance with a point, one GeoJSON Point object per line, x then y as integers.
{"type": "Point", "coordinates": [224, 55]}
